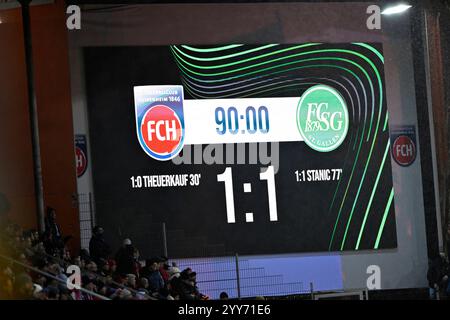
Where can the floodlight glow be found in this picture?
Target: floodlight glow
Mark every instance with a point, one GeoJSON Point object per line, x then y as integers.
{"type": "Point", "coordinates": [400, 8]}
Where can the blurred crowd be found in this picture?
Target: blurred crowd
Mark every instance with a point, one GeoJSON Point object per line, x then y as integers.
{"type": "Point", "coordinates": [34, 266]}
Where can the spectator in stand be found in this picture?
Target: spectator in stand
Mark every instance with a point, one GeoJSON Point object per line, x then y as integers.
{"type": "Point", "coordinates": [52, 236]}
{"type": "Point", "coordinates": [193, 280]}
{"type": "Point", "coordinates": [40, 281]}
{"type": "Point", "coordinates": [52, 293]}
{"type": "Point", "coordinates": [56, 270]}
{"type": "Point", "coordinates": [88, 284]}
{"type": "Point", "coordinates": [112, 266]}
{"type": "Point", "coordinates": [84, 255]}
{"type": "Point", "coordinates": [38, 293]}
{"type": "Point", "coordinates": [78, 261]}
{"type": "Point", "coordinates": [137, 263]}
{"type": "Point", "coordinates": [131, 281]}
{"type": "Point", "coordinates": [105, 269]}
{"type": "Point", "coordinates": [7, 283]}
{"type": "Point", "coordinates": [39, 256]}
{"type": "Point", "coordinates": [106, 290]}
{"type": "Point", "coordinates": [91, 267]}
{"type": "Point", "coordinates": [151, 272]}
{"type": "Point", "coordinates": [223, 296]}
{"type": "Point", "coordinates": [24, 288]}
{"type": "Point", "coordinates": [174, 271]}
{"type": "Point", "coordinates": [99, 250]}
{"type": "Point", "coordinates": [65, 295]}
{"type": "Point", "coordinates": [163, 294]}
{"type": "Point", "coordinates": [28, 247]}
{"type": "Point", "coordinates": [90, 271]}
{"type": "Point", "coordinates": [67, 258]}
{"type": "Point", "coordinates": [143, 286]}
{"type": "Point", "coordinates": [126, 258]}
{"type": "Point", "coordinates": [437, 276]}
{"type": "Point", "coordinates": [77, 295]}
{"type": "Point", "coordinates": [122, 294]}
{"type": "Point", "coordinates": [183, 287]}
{"type": "Point", "coordinates": [126, 242]}
{"type": "Point", "coordinates": [121, 280]}
{"type": "Point", "coordinates": [52, 287]}
{"type": "Point", "coordinates": [164, 269]}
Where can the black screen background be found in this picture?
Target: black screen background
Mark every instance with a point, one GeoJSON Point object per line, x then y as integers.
{"type": "Point", "coordinates": [195, 217]}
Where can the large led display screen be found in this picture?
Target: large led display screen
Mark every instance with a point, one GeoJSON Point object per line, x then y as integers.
{"type": "Point", "coordinates": [248, 149]}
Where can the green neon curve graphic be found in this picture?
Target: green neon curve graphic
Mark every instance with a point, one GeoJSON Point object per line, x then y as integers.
{"type": "Point", "coordinates": [345, 194]}
{"type": "Point", "coordinates": [266, 62]}
{"type": "Point", "coordinates": [367, 162]}
{"type": "Point", "coordinates": [241, 53]}
{"type": "Point", "coordinates": [284, 58]}
{"type": "Point", "coordinates": [386, 152]}
{"type": "Point", "coordinates": [178, 58]}
{"type": "Point", "coordinates": [278, 72]}
{"type": "Point", "coordinates": [245, 91]}
{"type": "Point", "coordinates": [339, 182]}
{"type": "Point", "coordinates": [359, 149]}
{"type": "Point", "coordinates": [228, 56]}
{"type": "Point", "coordinates": [279, 59]}
{"type": "Point", "coordinates": [215, 49]}
{"type": "Point", "coordinates": [386, 121]}
{"type": "Point", "coordinates": [188, 89]}
{"type": "Point", "coordinates": [365, 45]}
{"type": "Point", "coordinates": [296, 62]}
{"type": "Point", "coordinates": [363, 70]}
{"type": "Point", "coordinates": [296, 68]}
{"type": "Point", "coordinates": [383, 222]}
{"type": "Point", "coordinates": [359, 189]}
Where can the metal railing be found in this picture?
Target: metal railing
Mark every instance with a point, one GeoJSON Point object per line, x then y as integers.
{"type": "Point", "coordinates": [61, 262]}
{"type": "Point", "coordinates": [86, 214]}
{"type": "Point", "coordinates": [228, 273]}
{"type": "Point", "coordinates": [240, 279]}
{"type": "Point", "coordinates": [48, 275]}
